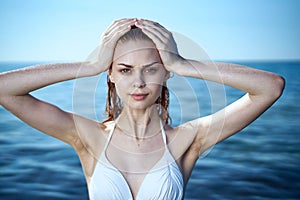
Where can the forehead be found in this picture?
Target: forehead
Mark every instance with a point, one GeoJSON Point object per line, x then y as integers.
{"type": "Point", "coordinates": [136, 52]}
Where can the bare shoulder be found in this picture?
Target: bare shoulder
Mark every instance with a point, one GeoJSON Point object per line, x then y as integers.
{"type": "Point", "coordinates": [180, 139]}
{"type": "Point", "coordinates": [92, 136]}
{"type": "Point", "coordinates": [91, 133]}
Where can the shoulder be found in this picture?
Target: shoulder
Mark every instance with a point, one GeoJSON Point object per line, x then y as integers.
{"type": "Point", "coordinates": [188, 138]}
{"type": "Point", "coordinates": [91, 134]}
{"type": "Point", "coordinates": [180, 138]}
{"type": "Point", "coordinates": [187, 132]}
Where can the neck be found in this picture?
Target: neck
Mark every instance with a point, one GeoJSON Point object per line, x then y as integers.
{"type": "Point", "coordinates": [140, 124]}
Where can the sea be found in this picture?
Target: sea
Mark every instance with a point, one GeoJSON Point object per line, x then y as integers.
{"type": "Point", "coordinates": [260, 162]}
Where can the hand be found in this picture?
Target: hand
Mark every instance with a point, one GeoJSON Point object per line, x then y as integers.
{"type": "Point", "coordinates": [109, 40]}
{"type": "Point", "coordinates": [164, 41]}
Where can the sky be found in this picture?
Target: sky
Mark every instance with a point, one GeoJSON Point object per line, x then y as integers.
{"type": "Point", "coordinates": [68, 30]}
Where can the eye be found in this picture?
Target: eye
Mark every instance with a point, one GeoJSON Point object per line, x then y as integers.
{"type": "Point", "coordinates": [125, 70]}
{"type": "Point", "coordinates": [151, 70]}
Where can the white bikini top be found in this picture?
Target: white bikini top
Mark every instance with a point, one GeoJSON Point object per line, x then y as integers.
{"type": "Point", "coordinates": [163, 181]}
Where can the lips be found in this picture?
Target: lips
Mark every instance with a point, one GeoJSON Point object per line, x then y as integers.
{"type": "Point", "coordinates": [139, 97]}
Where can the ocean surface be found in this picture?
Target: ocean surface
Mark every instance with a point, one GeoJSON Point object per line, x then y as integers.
{"type": "Point", "coordinates": [260, 162]}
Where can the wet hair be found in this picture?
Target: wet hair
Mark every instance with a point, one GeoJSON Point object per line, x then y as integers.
{"type": "Point", "coordinates": [113, 102]}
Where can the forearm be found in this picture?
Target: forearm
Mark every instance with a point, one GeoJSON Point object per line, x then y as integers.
{"type": "Point", "coordinates": [23, 81]}
{"type": "Point", "coordinates": [252, 81]}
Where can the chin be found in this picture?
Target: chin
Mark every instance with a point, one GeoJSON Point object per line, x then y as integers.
{"type": "Point", "coordinates": [140, 105]}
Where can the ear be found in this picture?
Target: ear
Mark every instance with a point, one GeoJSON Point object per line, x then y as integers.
{"type": "Point", "coordinates": [111, 78]}
{"type": "Point", "coordinates": [167, 76]}
{"type": "Point", "coordinates": [109, 73]}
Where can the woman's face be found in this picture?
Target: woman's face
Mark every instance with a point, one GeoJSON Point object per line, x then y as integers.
{"type": "Point", "coordinates": [138, 73]}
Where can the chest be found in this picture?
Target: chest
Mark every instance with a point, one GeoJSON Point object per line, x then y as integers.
{"type": "Point", "coordinates": [132, 157]}
{"type": "Point", "coordinates": [137, 182]}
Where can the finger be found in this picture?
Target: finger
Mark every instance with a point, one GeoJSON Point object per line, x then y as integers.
{"type": "Point", "coordinates": [154, 25]}
{"type": "Point", "coordinates": [118, 23]}
{"type": "Point", "coordinates": [125, 26]}
{"type": "Point", "coordinates": [151, 22]}
{"type": "Point", "coordinates": [114, 23]}
{"type": "Point", "coordinates": [159, 30]}
{"type": "Point", "coordinates": [160, 36]}
{"type": "Point", "coordinates": [153, 35]}
{"type": "Point", "coordinates": [115, 36]}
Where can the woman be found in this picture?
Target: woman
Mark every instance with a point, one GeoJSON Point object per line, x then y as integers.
{"type": "Point", "coordinates": [135, 153]}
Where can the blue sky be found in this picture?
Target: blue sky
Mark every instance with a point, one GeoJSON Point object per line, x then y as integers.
{"type": "Point", "coordinates": [68, 30]}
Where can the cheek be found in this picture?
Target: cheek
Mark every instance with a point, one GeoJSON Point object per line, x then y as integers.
{"type": "Point", "coordinates": [122, 85]}
{"type": "Point", "coordinates": [157, 78]}
{"type": "Point", "coordinates": [156, 89]}
{"type": "Point", "coordinates": [155, 81]}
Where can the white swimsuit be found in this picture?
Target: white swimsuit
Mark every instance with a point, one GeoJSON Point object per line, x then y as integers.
{"type": "Point", "coordinates": [163, 181]}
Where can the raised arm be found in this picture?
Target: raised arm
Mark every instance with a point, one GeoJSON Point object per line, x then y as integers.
{"type": "Point", "coordinates": [16, 86]}
{"type": "Point", "coordinates": [262, 90]}
{"type": "Point", "coordinates": [14, 96]}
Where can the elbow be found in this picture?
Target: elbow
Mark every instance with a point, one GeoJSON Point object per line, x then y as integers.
{"type": "Point", "coordinates": [278, 85]}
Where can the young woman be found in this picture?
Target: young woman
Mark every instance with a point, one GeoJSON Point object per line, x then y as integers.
{"type": "Point", "coordinates": [135, 153]}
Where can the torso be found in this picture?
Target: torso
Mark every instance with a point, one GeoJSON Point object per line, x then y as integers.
{"type": "Point", "coordinates": [90, 148]}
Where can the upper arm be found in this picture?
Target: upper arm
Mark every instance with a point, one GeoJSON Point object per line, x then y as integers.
{"type": "Point", "coordinates": [215, 128]}
{"type": "Point", "coordinates": [42, 116]}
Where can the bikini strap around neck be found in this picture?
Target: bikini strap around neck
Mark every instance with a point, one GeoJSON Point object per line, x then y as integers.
{"type": "Point", "coordinates": [110, 134]}
{"type": "Point", "coordinates": [163, 133]}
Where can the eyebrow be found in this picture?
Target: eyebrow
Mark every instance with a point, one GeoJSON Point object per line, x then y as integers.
{"type": "Point", "coordinates": [130, 66]}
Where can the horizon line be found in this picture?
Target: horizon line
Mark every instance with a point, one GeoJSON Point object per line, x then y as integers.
{"type": "Point", "coordinates": [214, 60]}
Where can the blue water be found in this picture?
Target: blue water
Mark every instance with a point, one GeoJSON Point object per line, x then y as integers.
{"type": "Point", "coordinates": [260, 162]}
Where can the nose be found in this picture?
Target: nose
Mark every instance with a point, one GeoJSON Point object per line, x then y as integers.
{"type": "Point", "coordinates": [139, 81]}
